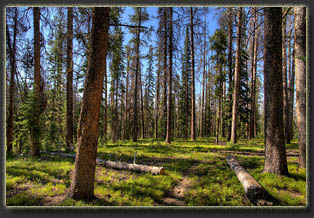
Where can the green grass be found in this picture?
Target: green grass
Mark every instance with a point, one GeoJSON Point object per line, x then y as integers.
{"type": "Point", "coordinates": [36, 181]}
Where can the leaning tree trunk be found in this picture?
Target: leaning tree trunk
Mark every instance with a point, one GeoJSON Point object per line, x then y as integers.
{"type": "Point", "coordinates": [300, 76]}
{"type": "Point", "coordinates": [236, 81]}
{"type": "Point", "coordinates": [36, 115]}
{"type": "Point", "coordinates": [275, 151]}
{"type": "Point", "coordinates": [69, 93]}
{"type": "Point", "coordinates": [82, 186]}
{"type": "Point", "coordinates": [169, 112]}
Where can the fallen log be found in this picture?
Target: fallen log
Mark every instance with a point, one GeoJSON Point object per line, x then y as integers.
{"type": "Point", "coordinates": [133, 167]}
{"type": "Point", "coordinates": [120, 165]}
{"type": "Point", "coordinates": [253, 190]}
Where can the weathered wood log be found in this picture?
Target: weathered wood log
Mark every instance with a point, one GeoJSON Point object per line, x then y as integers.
{"type": "Point", "coordinates": [253, 190]}
{"type": "Point", "coordinates": [133, 167]}
{"type": "Point", "coordinates": [120, 165]}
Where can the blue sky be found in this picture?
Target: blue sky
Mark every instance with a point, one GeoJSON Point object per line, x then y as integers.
{"type": "Point", "coordinates": [153, 21]}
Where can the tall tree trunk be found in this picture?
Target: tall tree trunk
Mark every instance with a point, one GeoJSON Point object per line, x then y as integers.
{"type": "Point", "coordinates": [291, 87]}
{"type": "Point", "coordinates": [12, 54]}
{"type": "Point", "coordinates": [203, 85]}
{"type": "Point", "coordinates": [138, 35]}
{"type": "Point", "coordinates": [106, 103]}
{"type": "Point", "coordinates": [291, 82]}
{"type": "Point", "coordinates": [285, 83]}
{"type": "Point", "coordinates": [230, 31]}
{"type": "Point", "coordinates": [222, 113]}
{"type": "Point", "coordinates": [157, 100]}
{"type": "Point", "coordinates": [165, 14]}
{"type": "Point", "coordinates": [236, 81]}
{"type": "Point", "coordinates": [126, 120]}
{"type": "Point", "coordinates": [142, 109]}
{"type": "Point", "coordinates": [169, 111]}
{"type": "Point", "coordinates": [275, 152]}
{"type": "Point", "coordinates": [218, 120]}
{"type": "Point", "coordinates": [300, 75]}
{"type": "Point", "coordinates": [82, 186]}
{"type": "Point", "coordinates": [193, 118]}
{"type": "Point", "coordinates": [253, 77]}
{"type": "Point", "coordinates": [35, 128]}
{"type": "Point", "coordinates": [69, 92]}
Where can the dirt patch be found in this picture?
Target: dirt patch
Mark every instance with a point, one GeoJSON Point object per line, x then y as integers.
{"type": "Point", "coordinates": [293, 194]}
{"type": "Point", "coordinates": [176, 196]}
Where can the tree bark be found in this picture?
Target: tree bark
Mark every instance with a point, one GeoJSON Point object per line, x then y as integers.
{"type": "Point", "coordinates": [193, 116]}
{"type": "Point", "coordinates": [35, 128]}
{"type": "Point", "coordinates": [169, 111]}
{"type": "Point", "coordinates": [300, 74]}
{"type": "Point", "coordinates": [236, 81]}
{"type": "Point", "coordinates": [12, 54]}
{"type": "Point", "coordinates": [69, 92]}
{"type": "Point", "coordinates": [275, 152]}
{"type": "Point", "coordinates": [82, 186]}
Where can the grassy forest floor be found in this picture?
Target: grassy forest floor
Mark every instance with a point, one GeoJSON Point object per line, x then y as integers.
{"type": "Point", "coordinates": [197, 174]}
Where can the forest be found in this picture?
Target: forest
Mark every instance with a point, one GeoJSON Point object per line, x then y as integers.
{"type": "Point", "coordinates": [156, 106]}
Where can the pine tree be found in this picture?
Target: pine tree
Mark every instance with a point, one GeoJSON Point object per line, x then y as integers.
{"type": "Point", "coordinates": [275, 152]}
{"type": "Point", "coordinates": [82, 186]}
{"type": "Point", "coordinates": [184, 101]}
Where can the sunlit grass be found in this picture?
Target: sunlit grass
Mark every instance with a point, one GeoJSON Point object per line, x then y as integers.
{"type": "Point", "coordinates": [30, 181]}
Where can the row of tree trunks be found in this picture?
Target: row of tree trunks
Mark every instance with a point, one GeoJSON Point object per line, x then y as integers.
{"type": "Point", "coordinates": [119, 165]}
